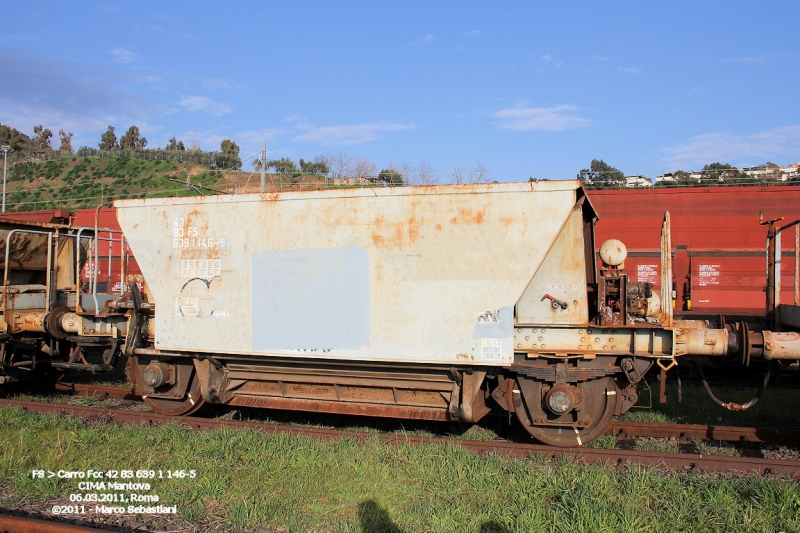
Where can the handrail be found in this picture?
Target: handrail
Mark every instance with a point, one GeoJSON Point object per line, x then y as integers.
{"type": "Point", "coordinates": [77, 236]}
{"type": "Point", "coordinates": [796, 225]}
{"type": "Point", "coordinates": [78, 272]}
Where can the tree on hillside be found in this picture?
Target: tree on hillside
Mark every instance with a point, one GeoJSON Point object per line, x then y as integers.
{"type": "Point", "coordinates": [714, 173]}
{"type": "Point", "coordinates": [390, 176]}
{"type": "Point", "coordinates": [11, 137]}
{"type": "Point", "coordinates": [41, 138]}
{"type": "Point", "coordinates": [229, 155]}
{"type": "Point", "coordinates": [405, 170]}
{"type": "Point", "coordinates": [66, 141]}
{"type": "Point", "coordinates": [340, 164]}
{"type": "Point", "coordinates": [363, 167]}
{"type": "Point", "coordinates": [283, 165]}
{"type": "Point", "coordinates": [773, 174]}
{"type": "Point", "coordinates": [108, 141]}
{"type": "Point", "coordinates": [318, 166]}
{"type": "Point", "coordinates": [477, 173]}
{"type": "Point", "coordinates": [132, 140]}
{"type": "Point", "coordinates": [601, 175]}
{"type": "Point", "coordinates": [457, 175]}
{"type": "Point", "coordinates": [426, 175]}
{"type": "Point", "coordinates": [681, 176]}
{"type": "Point", "coordinates": [175, 145]}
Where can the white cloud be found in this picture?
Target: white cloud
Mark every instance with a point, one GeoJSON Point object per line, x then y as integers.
{"type": "Point", "coordinates": [254, 138]}
{"type": "Point", "coordinates": [547, 59]}
{"type": "Point", "coordinates": [629, 70]}
{"type": "Point", "coordinates": [122, 55]}
{"type": "Point", "coordinates": [756, 148]}
{"type": "Point", "coordinates": [298, 119]}
{"type": "Point", "coordinates": [207, 140]}
{"type": "Point", "coordinates": [203, 103]}
{"type": "Point", "coordinates": [524, 118]}
{"type": "Point", "coordinates": [471, 33]}
{"type": "Point", "coordinates": [348, 133]}
{"type": "Point", "coordinates": [88, 99]}
{"type": "Point", "coordinates": [424, 40]}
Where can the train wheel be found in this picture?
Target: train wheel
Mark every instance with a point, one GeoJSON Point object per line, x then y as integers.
{"type": "Point", "coordinates": [563, 415]}
{"type": "Point", "coordinates": [184, 401]}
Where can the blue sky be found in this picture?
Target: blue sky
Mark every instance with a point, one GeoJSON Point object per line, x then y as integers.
{"type": "Point", "coordinates": [526, 88]}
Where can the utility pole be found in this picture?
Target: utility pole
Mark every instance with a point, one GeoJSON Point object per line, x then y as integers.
{"type": "Point", "coordinates": [263, 167]}
{"type": "Point", "coordinates": [5, 150]}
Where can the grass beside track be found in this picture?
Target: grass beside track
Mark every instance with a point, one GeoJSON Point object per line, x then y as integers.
{"type": "Point", "coordinates": [249, 480]}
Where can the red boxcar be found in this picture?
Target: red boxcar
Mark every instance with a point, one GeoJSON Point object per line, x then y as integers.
{"type": "Point", "coordinates": [719, 261]}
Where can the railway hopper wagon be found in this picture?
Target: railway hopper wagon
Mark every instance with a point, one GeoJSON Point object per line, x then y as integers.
{"type": "Point", "coordinates": [435, 303]}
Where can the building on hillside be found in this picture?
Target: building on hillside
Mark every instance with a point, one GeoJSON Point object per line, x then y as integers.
{"type": "Point", "coordinates": [669, 177]}
{"type": "Point", "coordinates": [773, 172]}
{"type": "Point", "coordinates": [792, 171]}
{"type": "Point", "coordinates": [637, 181]}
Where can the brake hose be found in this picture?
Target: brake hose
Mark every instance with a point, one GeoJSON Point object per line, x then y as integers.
{"type": "Point", "coordinates": [732, 406]}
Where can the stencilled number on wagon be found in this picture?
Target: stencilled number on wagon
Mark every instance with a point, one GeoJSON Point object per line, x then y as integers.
{"type": "Point", "coordinates": [177, 227]}
{"type": "Point", "coordinates": [190, 237]}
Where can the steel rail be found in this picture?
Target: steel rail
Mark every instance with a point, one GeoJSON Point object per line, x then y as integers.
{"type": "Point", "coordinates": [616, 458]}
{"type": "Point", "coordinates": [787, 437]}
{"type": "Point", "coordinates": [101, 391]}
{"type": "Point", "coordinates": [733, 434]}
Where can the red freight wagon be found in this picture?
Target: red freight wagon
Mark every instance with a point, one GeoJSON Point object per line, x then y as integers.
{"type": "Point", "coordinates": [719, 261]}
{"type": "Point", "coordinates": [108, 266]}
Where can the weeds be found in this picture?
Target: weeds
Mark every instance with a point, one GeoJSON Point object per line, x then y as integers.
{"type": "Point", "coordinates": [248, 479]}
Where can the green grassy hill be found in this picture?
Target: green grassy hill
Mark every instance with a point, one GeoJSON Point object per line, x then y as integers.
{"type": "Point", "coordinates": [86, 182]}
{"type": "Point", "coordinates": [75, 182]}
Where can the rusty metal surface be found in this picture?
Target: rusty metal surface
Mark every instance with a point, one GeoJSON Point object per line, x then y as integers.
{"type": "Point", "coordinates": [781, 345]}
{"type": "Point", "coordinates": [26, 250]}
{"type": "Point", "coordinates": [342, 408]}
{"type": "Point", "coordinates": [618, 458]}
{"type": "Point", "coordinates": [387, 392]}
{"type": "Point", "coordinates": [557, 292]}
{"type": "Point", "coordinates": [423, 274]}
{"type": "Point", "coordinates": [18, 524]}
{"type": "Point", "coordinates": [643, 341]}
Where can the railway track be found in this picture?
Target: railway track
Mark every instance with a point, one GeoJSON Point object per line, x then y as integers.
{"type": "Point", "coordinates": [622, 430]}
{"type": "Point", "coordinates": [620, 458]}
